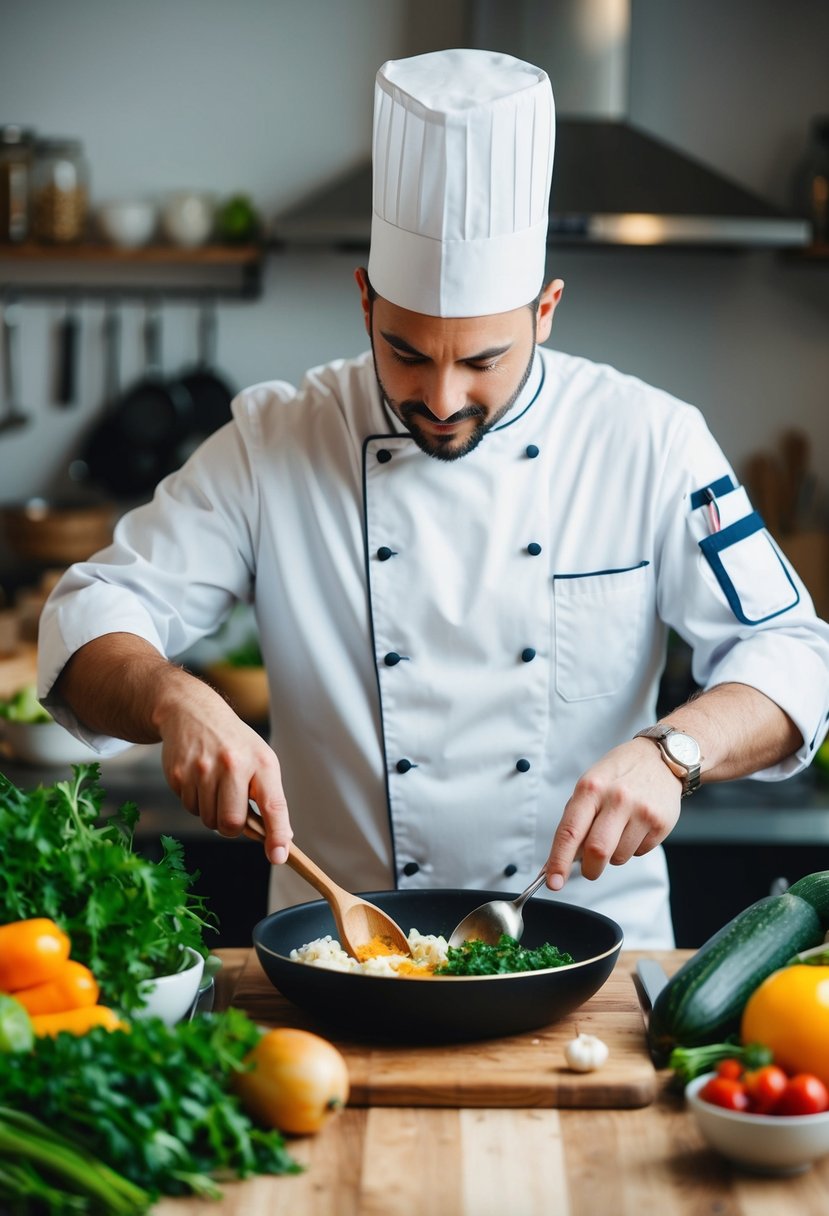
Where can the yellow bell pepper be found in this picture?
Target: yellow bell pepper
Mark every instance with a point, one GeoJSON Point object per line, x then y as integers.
{"type": "Point", "coordinates": [789, 1013]}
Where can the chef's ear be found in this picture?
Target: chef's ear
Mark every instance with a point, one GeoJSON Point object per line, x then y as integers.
{"type": "Point", "coordinates": [547, 304]}
{"type": "Point", "coordinates": [366, 295]}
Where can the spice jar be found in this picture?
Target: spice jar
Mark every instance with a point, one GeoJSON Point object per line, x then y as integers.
{"type": "Point", "coordinates": [16, 150]}
{"type": "Point", "coordinates": [60, 191]}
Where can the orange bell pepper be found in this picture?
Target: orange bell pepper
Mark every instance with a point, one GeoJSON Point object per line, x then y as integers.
{"type": "Point", "coordinates": [77, 1021]}
{"type": "Point", "coordinates": [31, 951]}
{"type": "Point", "coordinates": [73, 986]}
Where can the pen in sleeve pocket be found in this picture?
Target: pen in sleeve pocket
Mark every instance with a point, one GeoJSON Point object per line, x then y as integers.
{"type": "Point", "coordinates": [713, 510]}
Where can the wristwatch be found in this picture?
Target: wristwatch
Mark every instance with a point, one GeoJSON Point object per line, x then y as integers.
{"type": "Point", "coordinates": [680, 752]}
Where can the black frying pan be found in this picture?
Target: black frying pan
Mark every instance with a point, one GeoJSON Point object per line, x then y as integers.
{"type": "Point", "coordinates": [155, 413]}
{"type": "Point", "coordinates": [210, 392]}
{"type": "Point", "coordinates": [128, 453]}
{"type": "Point", "coordinates": [443, 1009]}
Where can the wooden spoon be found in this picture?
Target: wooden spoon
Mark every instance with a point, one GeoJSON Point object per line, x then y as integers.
{"type": "Point", "coordinates": [358, 921]}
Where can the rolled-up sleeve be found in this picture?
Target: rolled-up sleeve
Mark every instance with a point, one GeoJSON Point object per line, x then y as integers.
{"type": "Point", "coordinates": [176, 567]}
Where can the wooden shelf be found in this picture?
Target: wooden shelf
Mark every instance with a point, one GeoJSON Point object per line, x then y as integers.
{"type": "Point", "coordinates": [237, 269]}
{"type": "Point", "coordinates": [203, 255]}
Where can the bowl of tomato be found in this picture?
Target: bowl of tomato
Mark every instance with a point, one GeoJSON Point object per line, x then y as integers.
{"type": "Point", "coordinates": [764, 1121]}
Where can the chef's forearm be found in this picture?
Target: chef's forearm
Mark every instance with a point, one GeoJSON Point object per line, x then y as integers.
{"type": "Point", "coordinates": [739, 729]}
{"type": "Point", "coordinates": [119, 685]}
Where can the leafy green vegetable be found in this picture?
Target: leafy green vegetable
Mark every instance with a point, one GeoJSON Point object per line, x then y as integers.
{"type": "Point", "coordinates": [477, 958]}
{"type": "Point", "coordinates": [690, 1062]}
{"type": "Point", "coordinates": [127, 917]}
{"type": "Point", "coordinates": [247, 654]}
{"type": "Point", "coordinates": [36, 1163]}
{"type": "Point", "coordinates": [154, 1103]}
{"type": "Point", "coordinates": [23, 706]}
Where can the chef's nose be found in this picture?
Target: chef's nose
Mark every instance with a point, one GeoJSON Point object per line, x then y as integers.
{"type": "Point", "coordinates": [445, 393]}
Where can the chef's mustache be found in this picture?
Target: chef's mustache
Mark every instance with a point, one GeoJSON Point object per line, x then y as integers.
{"type": "Point", "coordinates": [419, 409]}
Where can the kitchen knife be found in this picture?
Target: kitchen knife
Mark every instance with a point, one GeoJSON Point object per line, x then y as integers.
{"type": "Point", "coordinates": [652, 977]}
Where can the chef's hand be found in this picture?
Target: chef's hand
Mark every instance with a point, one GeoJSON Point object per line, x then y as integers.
{"type": "Point", "coordinates": [622, 807]}
{"type": "Point", "coordinates": [214, 762]}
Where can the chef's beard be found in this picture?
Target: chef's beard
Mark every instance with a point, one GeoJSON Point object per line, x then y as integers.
{"type": "Point", "coordinates": [439, 446]}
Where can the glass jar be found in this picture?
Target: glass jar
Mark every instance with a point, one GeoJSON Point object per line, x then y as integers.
{"type": "Point", "coordinates": [16, 152]}
{"type": "Point", "coordinates": [60, 191]}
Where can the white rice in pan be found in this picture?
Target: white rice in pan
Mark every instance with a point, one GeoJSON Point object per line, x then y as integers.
{"type": "Point", "coordinates": [428, 952]}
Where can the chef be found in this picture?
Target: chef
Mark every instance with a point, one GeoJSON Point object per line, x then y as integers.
{"type": "Point", "coordinates": [464, 552]}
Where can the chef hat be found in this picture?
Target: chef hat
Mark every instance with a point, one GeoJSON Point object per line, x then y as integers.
{"type": "Point", "coordinates": [463, 159]}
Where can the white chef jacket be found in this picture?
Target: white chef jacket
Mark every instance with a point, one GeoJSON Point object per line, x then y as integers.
{"type": "Point", "coordinates": [450, 645]}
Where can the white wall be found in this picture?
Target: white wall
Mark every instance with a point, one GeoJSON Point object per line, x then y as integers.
{"type": "Point", "coordinates": [274, 97]}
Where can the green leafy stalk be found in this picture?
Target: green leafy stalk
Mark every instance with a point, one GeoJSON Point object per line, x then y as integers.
{"type": "Point", "coordinates": [28, 1147]}
{"type": "Point", "coordinates": [690, 1062]}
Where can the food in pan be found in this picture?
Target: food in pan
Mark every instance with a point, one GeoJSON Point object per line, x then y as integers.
{"type": "Point", "coordinates": [432, 956]}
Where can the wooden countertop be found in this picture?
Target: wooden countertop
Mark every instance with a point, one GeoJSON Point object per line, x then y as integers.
{"type": "Point", "coordinates": [404, 1161]}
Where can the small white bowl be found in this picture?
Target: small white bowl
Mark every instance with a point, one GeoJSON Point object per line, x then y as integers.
{"type": "Point", "coordinates": [170, 997]}
{"type": "Point", "coordinates": [128, 223]}
{"type": "Point", "coordinates": [44, 743]}
{"type": "Point", "coordinates": [187, 218]}
{"type": "Point", "coordinates": [763, 1144]}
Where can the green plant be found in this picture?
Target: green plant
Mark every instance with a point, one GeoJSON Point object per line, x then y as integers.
{"type": "Point", "coordinates": [128, 917]}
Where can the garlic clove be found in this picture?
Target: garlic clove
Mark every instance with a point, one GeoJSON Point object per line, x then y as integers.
{"type": "Point", "coordinates": [586, 1053]}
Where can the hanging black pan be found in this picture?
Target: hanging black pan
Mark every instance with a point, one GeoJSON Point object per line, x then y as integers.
{"type": "Point", "coordinates": [135, 443]}
{"type": "Point", "coordinates": [210, 392]}
{"type": "Point", "coordinates": [155, 413]}
{"type": "Point", "coordinates": [449, 1008]}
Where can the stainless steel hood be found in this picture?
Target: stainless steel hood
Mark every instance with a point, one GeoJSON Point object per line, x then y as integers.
{"type": "Point", "coordinates": [613, 183]}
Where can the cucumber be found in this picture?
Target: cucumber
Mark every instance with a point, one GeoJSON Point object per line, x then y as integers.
{"type": "Point", "coordinates": [703, 1002]}
{"type": "Point", "coordinates": [814, 888]}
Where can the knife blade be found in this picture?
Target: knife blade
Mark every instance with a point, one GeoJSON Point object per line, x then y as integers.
{"type": "Point", "coordinates": [653, 978]}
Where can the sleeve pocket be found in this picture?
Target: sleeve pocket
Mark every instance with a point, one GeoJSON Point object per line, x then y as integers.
{"type": "Point", "coordinates": [753, 576]}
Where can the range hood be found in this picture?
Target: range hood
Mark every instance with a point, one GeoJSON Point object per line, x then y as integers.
{"type": "Point", "coordinates": [613, 183]}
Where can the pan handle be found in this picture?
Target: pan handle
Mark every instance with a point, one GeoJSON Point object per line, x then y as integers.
{"type": "Point", "coordinates": [207, 332]}
{"type": "Point", "coordinates": [112, 349]}
{"type": "Point", "coordinates": [68, 355]}
{"type": "Point", "coordinates": [152, 338]}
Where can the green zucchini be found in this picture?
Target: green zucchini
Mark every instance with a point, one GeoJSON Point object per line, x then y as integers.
{"type": "Point", "coordinates": [814, 888]}
{"type": "Point", "coordinates": [703, 1002]}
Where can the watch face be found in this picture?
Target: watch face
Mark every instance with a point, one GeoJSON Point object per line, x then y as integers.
{"type": "Point", "coordinates": [684, 749]}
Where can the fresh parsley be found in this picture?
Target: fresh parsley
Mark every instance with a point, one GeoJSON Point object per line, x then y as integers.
{"type": "Point", "coordinates": [507, 956]}
{"type": "Point", "coordinates": [154, 1103]}
{"type": "Point", "coordinates": [127, 916]}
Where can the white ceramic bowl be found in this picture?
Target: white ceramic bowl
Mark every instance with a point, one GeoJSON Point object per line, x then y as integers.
{"type": "Point", "coordinates": [764, 1144]}
{"type": "Point", "coordinates": [187, 218]}
{"type": "Point", "coordinates": [44, 743]}
{"type": "Point", "coordinates": [170, 997]}
{"type": "Point", "coordinates": [128, 223]}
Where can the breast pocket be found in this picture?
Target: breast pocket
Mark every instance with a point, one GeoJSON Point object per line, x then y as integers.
{"type": "Point", "coordinates": [599, 623]}
{"type": "Point", "coordinates": [751, 573]}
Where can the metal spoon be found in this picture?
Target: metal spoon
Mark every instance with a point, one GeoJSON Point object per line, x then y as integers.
{"type": "Point", "coordinates": [358, 921]}
{"type": "Point", "coordinates": [487, 923]}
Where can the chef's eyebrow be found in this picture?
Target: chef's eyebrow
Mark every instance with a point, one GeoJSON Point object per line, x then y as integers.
{"type": "Point", "coordinates": [406, 348]}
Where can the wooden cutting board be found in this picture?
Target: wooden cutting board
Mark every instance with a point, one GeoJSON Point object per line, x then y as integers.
{"type": "Point", "coordinates": [527, 1070]}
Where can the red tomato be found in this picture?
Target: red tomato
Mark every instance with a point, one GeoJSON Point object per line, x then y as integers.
{"type": "Point", "coordinates": [731, 1068]}
{"type": "Point", "coordinates": [725, 1091]}
{"type": "Point", "coordinates": [765, 1087]}
{"type": "Point", "coordinates": [803, 1095]}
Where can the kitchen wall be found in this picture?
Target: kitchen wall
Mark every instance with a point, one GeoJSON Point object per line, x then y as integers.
{"type": "Point", "coordinates": [273, 97]}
